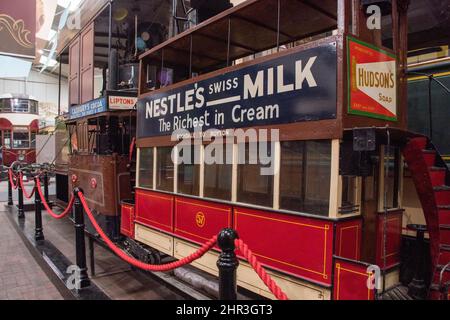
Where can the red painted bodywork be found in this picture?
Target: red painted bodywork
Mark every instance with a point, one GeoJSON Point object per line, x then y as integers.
{"type": "Point", "coordinates": [127, 220]}
{"type": "Point", "coordinates": [199, 221]}
{"type": "Point", "coordinates": [350, 281]}
{"type": "Point", "coordinates": [11, 155]}
{"type": "Point", "coordinates": [293, 244]}
{"type": "Point", "coordinates": [154, 209]}
{"type": "Point", "coordinates": [393, 238]}
{"type": "Point", "coordinates": [348, 239]}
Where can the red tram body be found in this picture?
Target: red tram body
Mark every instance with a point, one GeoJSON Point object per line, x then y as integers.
{"type": "Point", "coordinates": [19, 124]}
{"type": "Point", "coordinates": [327, 95]}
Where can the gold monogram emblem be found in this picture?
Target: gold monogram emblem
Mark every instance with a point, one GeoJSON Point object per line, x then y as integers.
{"type": "Point", "coordinates": [200, 219]}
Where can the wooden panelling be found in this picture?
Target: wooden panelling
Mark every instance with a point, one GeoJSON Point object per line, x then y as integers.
{"type": "Point", "coordinates": [393, 238]}
{"type": "Point", "coordinates": [348, 239]}
{"type": "Point", "coordinates": [87, 64]}
{"type": "Point", "coordinates": [350, 281]}
{"type": "Point", "coordinates": [74, 72]}
{"type": "Point", "coordinates": [296, 245]}
{"type": "Point", "coordinates": [155, 210]}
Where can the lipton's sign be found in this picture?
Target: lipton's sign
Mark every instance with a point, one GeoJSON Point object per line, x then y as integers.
{"type": "Point", "coordinates": [372, 76]}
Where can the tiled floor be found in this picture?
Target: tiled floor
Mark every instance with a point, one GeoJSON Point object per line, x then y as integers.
{"type": "Point", "coordinates": [20, 275]}
{"type": "Point", "coordinates": [112, 275]}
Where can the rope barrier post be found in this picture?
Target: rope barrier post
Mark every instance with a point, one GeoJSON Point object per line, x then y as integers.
{"type": "Point", "coordinates": [80, 241]}
{"type": "Point", "coordinates": [10, 195]}
{"type": "Point", "coordinates": [21, 213]}
{"type": "Point", "coordinates": [38, 229]}
{"type": "Point", "coordinates": [46, 185]}
{"type": "Point", "coordinates": [227, 264]}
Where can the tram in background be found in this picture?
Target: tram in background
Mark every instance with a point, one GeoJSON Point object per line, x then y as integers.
{"type": "Point", "coordinates": [336, 92]}
{"type": "Point", "coordinates": [19, 124]}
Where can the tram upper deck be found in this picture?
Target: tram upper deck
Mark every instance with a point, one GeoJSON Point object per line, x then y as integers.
{"type": "Point", "coordinates": [261, 52]}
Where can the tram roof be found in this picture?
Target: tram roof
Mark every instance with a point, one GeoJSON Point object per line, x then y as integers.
{"type": "Point", "coordinates": [17, 96]}
{"type": "Point", "coordinates": [253, 29]}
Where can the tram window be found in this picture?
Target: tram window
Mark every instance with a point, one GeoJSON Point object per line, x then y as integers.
{"type": "Point", "coordinates": [34, 107]}
{"type": "Point", "coordinates": [189, 172]}
{"type": "Point", "coordinates": [305, 176]}
{"type": "Point", "coordinates": [20, 105]}
{"type": "Point", "coordinates": [392, 156]}
{"type": "Point", "coordinates": [217, 184]}
{"type": "Point", "coordinates": [349, 196]}
{"type": "Point", "coordinates": [21, 140]}
{"type": "Point", "coordinates": [146, 168]}
{"type": "Point", "coordinates": [7, 139]}
{"type": "Point", "coordinates": [5, 105]}
{"type": "Point", "coordinates": [165, 169]}
{"type": "Point", "coordinates": [254, 188]}
{"type": "Point", "coordinates": [33, 139]}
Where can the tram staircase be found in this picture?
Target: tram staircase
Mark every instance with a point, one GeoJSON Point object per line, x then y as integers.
{"type": "Point", "coordinates": [431, 177]}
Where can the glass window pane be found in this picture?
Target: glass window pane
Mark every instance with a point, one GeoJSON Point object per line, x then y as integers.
{"type": "Point", "coordinates": [7, 139]}
{"type": "Point", "coordinates": [146, 168]}
{"type": "Point", "coordinates": [305, 176]}
{"type": "Point", "coordinates": [189, 173]}
{"type": "Point", "coordinates": [218, 178]}
{"type": "Point", "coordinates": [21, 140]}
{"type": "Point", "coordinates": [165, 169]}
{"type": "Point", "coordinates": [291, 175]}
{"type": "Point", "coordinates": [254, 188]}
{"type": "Point", "coordinates": [392, 156]}
{"type": "Point", "coordinates": [33, 140]}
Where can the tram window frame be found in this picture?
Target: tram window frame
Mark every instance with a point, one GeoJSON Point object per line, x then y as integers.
{"type": "Point", "coordinates": [248, 172]}
{"type": "Point", "coordinates": [350, 195]}
{"type": "Point", "coordinates": [161, 169]}
{"type": "Point", "coordinates": [146, 168]}
{"type": "Point", "coordinates": [7, 137]}
{"type": "Point", "coordinates": [21, 131]}
{"type": "Point", "coordinates": [394, 185]}
{"type": "Point", "coordinates": [192, 169]}
{"type": "Point", "coordinates": [218, 177]}
{"type": "Point", "coordinates": [5, 105]}
{"type": "Point", "coordinates": [302, 201]}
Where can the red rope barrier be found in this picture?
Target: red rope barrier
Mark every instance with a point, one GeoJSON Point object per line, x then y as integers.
{"type": "Point", "coordinates": [47, 207]}
{"type": "Point", "coordinates": [139, 264]}
{"type": "Point", "coordinates": [268, 281]}
{"type": "Point", "coordinates": [25, 193]}
{"type": "Point", "coordinates": [15, 185]}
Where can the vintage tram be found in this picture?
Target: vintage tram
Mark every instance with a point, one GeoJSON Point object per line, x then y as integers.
{"type": "Point", "coordinates": [19, 124]}
{"type": "Point", "coordinates": [285, 120]}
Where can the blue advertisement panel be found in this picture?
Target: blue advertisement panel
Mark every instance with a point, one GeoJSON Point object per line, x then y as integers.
{"type": "Point", "coordinates": [300, 86]}
{"type": "Point", "coordinates": [88, 109]}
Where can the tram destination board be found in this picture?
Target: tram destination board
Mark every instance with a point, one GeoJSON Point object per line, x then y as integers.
{"type": "Point", "coordinates": [297, 86]}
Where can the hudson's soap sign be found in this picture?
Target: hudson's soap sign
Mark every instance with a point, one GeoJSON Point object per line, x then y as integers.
{"type": "Point", "coordinates": [372, 76]}
{"type": "Point", "coordinates": [299, 86]}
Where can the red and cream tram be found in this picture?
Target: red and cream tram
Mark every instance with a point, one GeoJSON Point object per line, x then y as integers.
{"type": "Point", "coordinates": [327, 96]}
{"type": "Point", "coordinates": [19, 124]}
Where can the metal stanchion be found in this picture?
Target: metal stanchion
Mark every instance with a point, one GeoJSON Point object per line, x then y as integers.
{"type": "Point", "coordinates": [83, 280]}
{"type": "Point", "coordinates": [38, 229]}
{"type": "Point", "coordinates": [46, 186]}
{"type": "Point", "coordinates": [227, 265]}
{"type": "Point", "coordinates": [10, 195]}
{"type": "Point", "coordinates": [21, 213]}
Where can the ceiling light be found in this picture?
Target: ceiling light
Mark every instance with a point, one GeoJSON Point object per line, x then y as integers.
{"type": "Point", "coordinates": [48, 61]}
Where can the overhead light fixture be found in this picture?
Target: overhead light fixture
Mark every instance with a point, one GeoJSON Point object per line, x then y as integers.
{"type": "Point", "coordinates": [48, 61]}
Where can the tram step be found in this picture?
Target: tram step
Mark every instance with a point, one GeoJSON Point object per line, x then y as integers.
{"type": "Point", "coordinates": [444, 214]}
{"type": "Point", "coordinates": [437, 176]}
{"type": "Point", "coordinates": [442, 195]}
{"type": "Point", "coordinates": [430, 157]}
{"type": "Point", "coordinates": [445, 234]}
